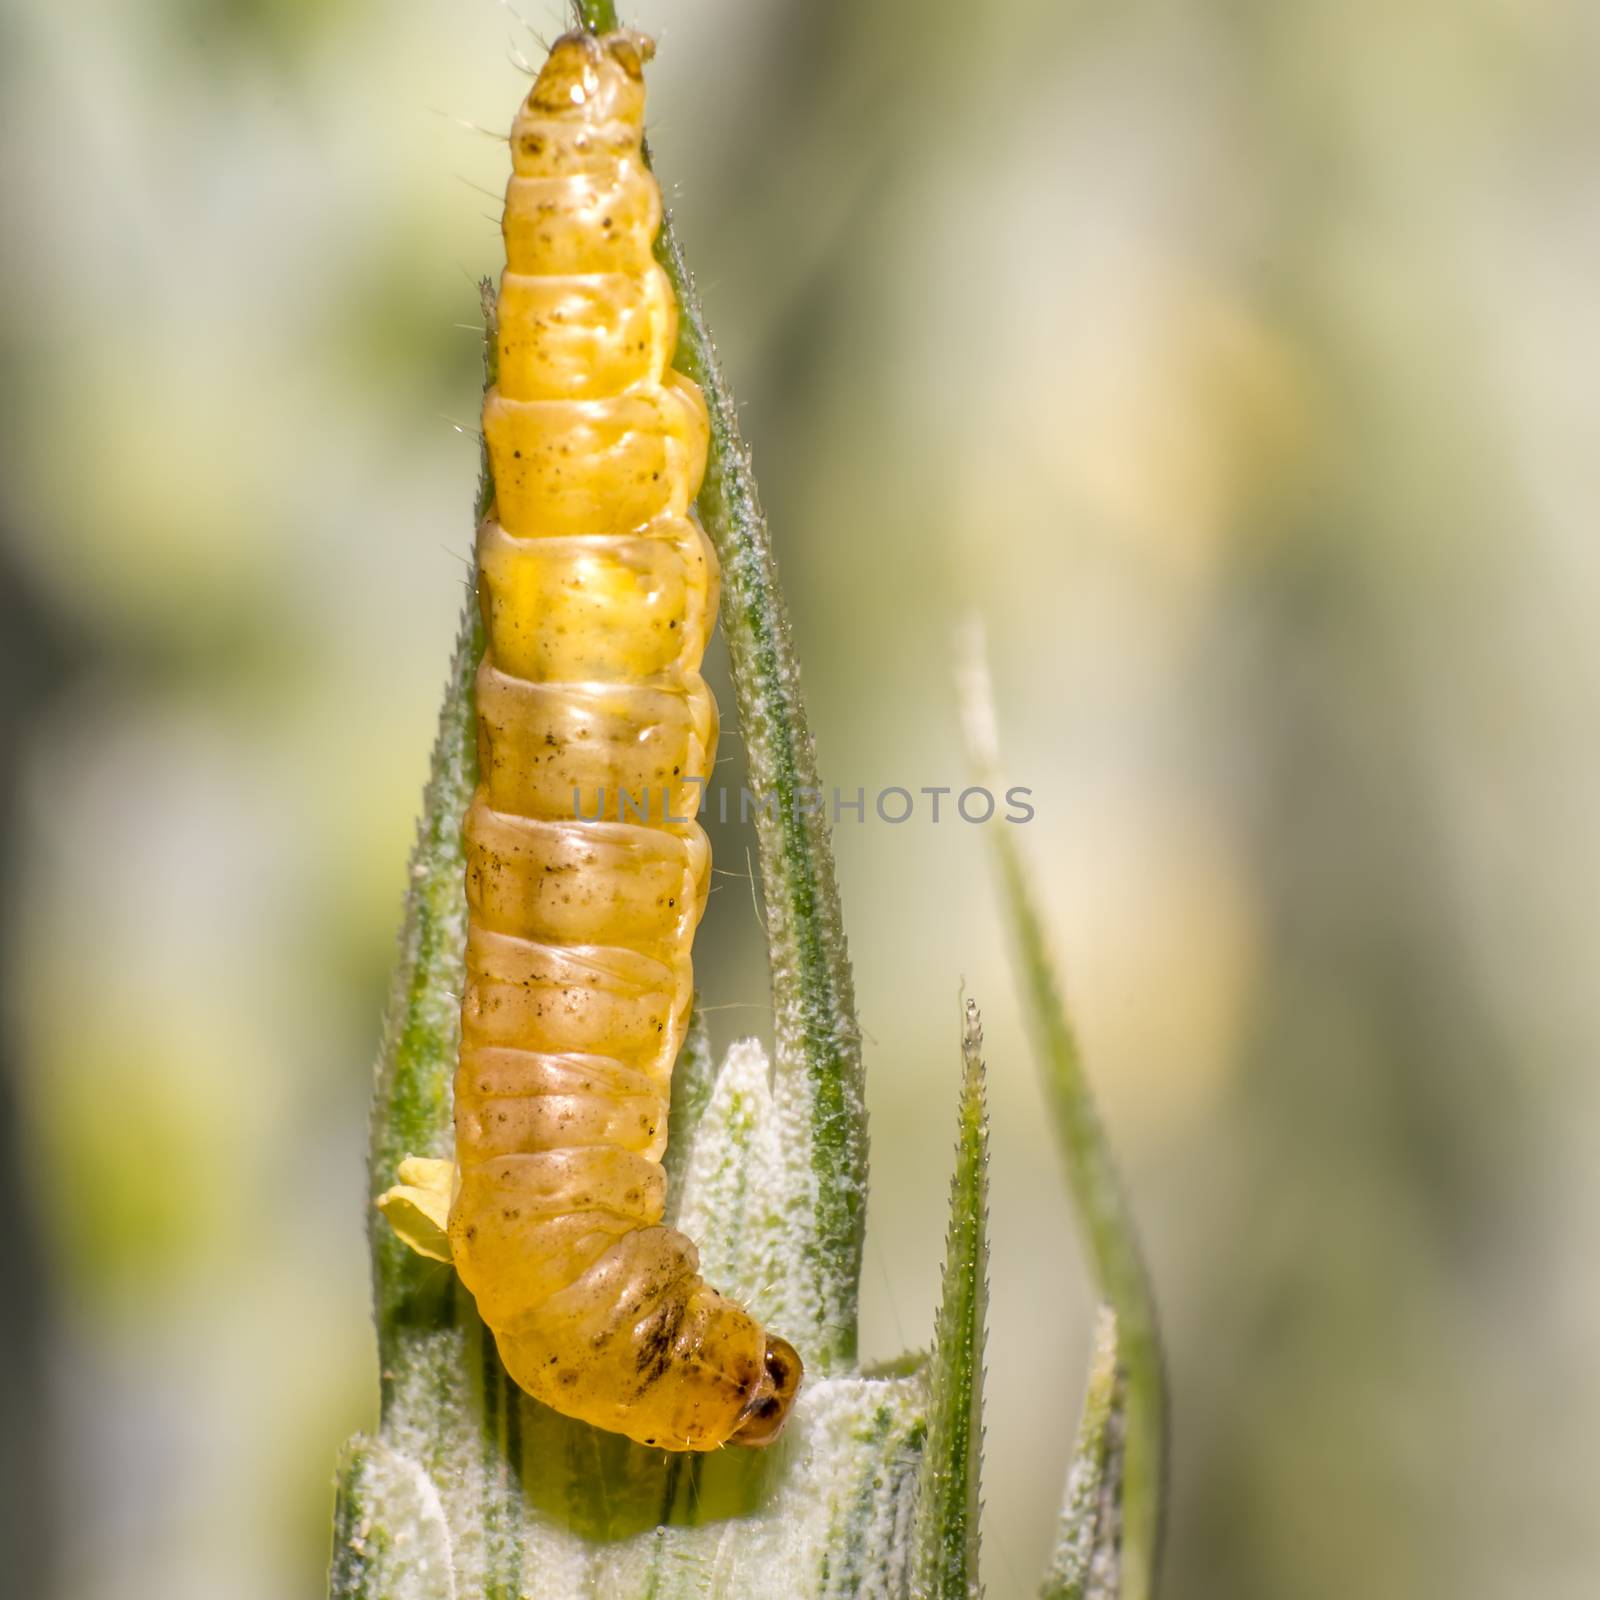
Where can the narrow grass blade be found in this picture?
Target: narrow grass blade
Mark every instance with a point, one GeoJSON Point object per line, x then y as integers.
{"type": "Point", "coordinates": [1087, 1562]}
{"type": "Point", "coordinates": [1097, 1194]}
{"type": "Point", "coordinates": [947, 1527]}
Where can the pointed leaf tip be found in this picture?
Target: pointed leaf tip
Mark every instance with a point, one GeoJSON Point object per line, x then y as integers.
{"type": "Point", "coordinates": [947, 1513]}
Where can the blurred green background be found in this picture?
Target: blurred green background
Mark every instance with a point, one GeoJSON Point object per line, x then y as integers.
{"type": "Point", "coordinates": [1235, 363]}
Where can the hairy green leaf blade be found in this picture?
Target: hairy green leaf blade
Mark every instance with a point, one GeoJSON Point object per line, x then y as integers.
{"type": "Point", "coordinates": [1087, 1562]}
{"type": "Point", "coordinates": [422, 1024]}
{"type": "Point", "coordinates": [390, 1536]}
{"type": "Point", "coordinates": [817, 1037]}
{"type": "Point", "coordinates": [734, 1195]}
{"type": "Point", "coordinates": [693, 1080]}
{"type": "Point", "coordinates": [411, 1101]}
{"type": "Point", "coordinates": [948, 1508]}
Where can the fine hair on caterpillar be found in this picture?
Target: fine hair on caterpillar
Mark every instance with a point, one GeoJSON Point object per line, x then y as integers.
{"type": "Point", "coordinates": [598, 591]}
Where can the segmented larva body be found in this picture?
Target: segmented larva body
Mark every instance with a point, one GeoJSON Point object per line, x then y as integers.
{"type": "Point", "coordinates": [598, 592]}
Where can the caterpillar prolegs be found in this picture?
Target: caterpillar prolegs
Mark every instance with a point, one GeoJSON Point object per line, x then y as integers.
{"type": "Point", "coordinates": [598, 592]}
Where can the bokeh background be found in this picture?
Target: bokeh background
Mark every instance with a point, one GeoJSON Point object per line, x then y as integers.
{"type": "Point", "coordinates": [1235, 363]}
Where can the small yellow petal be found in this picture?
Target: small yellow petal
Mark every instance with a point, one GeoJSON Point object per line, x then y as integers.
{"type": "Point", "coordinates": [418, 1207]}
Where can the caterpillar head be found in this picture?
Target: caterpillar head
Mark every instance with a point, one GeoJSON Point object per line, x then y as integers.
{"type": "Point", "coordinates": [593, 79]}
{"type": "Point", "coordinates": [768, 1407]}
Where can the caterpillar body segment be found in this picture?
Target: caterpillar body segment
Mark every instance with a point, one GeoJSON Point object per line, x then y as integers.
{"type": "Point", "coordinates": [598, 591]}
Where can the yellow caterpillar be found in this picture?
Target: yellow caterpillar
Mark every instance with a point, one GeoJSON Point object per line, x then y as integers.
{"type": "Point", "coordinates": [598, 592]}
